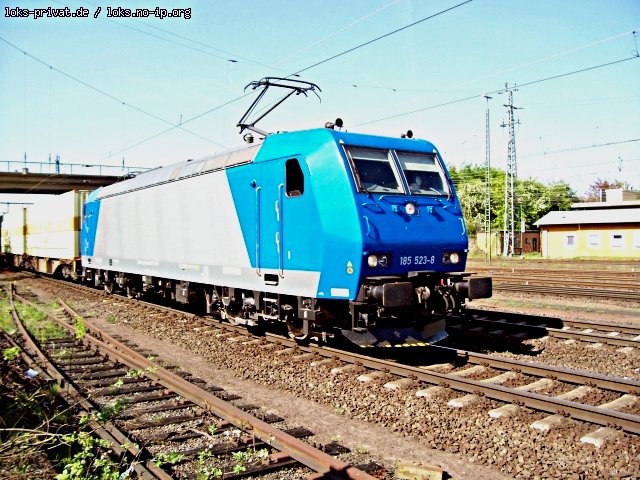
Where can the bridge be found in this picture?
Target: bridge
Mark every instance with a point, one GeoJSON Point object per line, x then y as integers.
{"type": "Point", "coordinates": [55, 177]}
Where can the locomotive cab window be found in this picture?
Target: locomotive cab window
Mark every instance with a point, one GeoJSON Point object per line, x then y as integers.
{"type": "Point", "coordinates": [375, 170]}
{"type": "Point", "coordinates": [294, 178]}
{"type": "Point", "coordinates": [423, 173]}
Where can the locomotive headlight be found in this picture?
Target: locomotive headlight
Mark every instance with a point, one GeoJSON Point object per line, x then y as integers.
{"type": "Point", "coordinates": [410, 208]}
{"type": "Point", "coordinates": [380, 260]}
{"type": "Point", "coordinates": [453, 257]}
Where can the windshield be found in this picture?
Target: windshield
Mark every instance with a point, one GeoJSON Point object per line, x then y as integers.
{"type": "Point", "coordinates": [423, 174]}
{"type": "Point", "coordinates": [376, 171]}
{"type": "Point", "coordinates": [381, 171]}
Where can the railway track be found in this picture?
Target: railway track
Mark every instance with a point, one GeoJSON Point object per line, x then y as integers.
{"type": "Point", "coordinates": [603, 284]}
{"type": "Point", "coordinates": [457, 384]}
{"type": "Point", "coordinates": [478, 381]}
{"type": "Point", "coordinates": [476, 375]}
{"type": "Point", "coordinates": [186, 427]}
{"type": "Point", "coordinates": [530, 326]}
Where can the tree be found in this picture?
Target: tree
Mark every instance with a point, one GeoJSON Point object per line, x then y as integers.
{"type": "Point", "coordinates": [593, 192]}
{"type": "Point", "coordinates": [534, 199]}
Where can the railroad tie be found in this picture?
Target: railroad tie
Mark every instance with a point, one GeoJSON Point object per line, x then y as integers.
{"type": "Point", "coordinates": [352, 367]}
{"type": "Point", "coordinates": [464, 401]}
{"type": "Point", "coordinates": [502, 378]}
{"type": "Point", "coordinates": [626, 400]}
{"type": "Point", "coordinates": [536, 386]}
{"type": "Point", "coordinates": [576, 393]}
{"type": "Point", "coordinates": [467, 372]}
{"type": "Point", "coordinates": [400, 384]}
{"type": "Point", "coordinates": [318, 363]}
{"type": "Point", "coordinates": [439, 367]}
{"type": "Point", "coordinates": [549, 423]}
{"type": "Point", "coordinates": [431, 392]}
{"type": "Point", "coordinates": [625, 350]}
{"type": "Point", "coordinates": [371, 376]}
{"type": "Point", "coordinates": [508, 410]}
{"type": "Point", "coordinates": [601, 436]}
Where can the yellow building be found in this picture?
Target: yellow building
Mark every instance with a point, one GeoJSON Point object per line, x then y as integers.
{"type": "Point", "coordinates": [600, 230]}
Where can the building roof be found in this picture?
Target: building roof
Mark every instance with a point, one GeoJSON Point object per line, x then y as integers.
{"type": "Point", "coordinates": [604, 216]}
{"type": "Point", "coordinates": [604, 205]}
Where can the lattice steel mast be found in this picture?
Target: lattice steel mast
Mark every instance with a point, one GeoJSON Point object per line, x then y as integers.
{"type": "Point", "coordinates": [487, 183]}
{"type": "Point", "coordinates": [510, 178]}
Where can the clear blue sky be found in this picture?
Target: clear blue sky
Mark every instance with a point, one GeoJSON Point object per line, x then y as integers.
{"type": "Point", "coordinates": [186, 69]}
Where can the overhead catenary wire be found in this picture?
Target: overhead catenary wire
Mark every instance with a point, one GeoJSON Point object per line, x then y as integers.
{"type": "Point", "coordinates": [106, 94]}
{"type": "Point", "coordinates": [217, 107]}
{"type": "Point", "coordinates": [433, 106]}
{"type": "Point", "coordinates": [369, 42]}
{"type": "Point", "coordinates": [481, 95]}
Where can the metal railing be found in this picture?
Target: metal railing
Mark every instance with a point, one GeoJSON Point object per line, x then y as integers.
{"type": "Point", "coordinates": [57, 167]}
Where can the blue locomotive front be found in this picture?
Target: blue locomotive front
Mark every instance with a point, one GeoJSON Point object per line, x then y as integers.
{"type": "Point", "coordinates": [327, 232]}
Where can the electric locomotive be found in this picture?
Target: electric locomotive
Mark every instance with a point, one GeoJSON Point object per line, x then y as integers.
{"type": "Point", "coordinates": [325, 231]}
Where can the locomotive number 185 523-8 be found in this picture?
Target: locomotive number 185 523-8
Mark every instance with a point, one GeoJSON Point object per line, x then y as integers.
{"type": "Point", "coordinates": [418, 260]}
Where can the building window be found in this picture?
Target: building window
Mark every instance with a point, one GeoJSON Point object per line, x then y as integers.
{"type": "Point", "coordinates": [570, 240]}
{"type": "Point", "coordinates": [594, 240]}
{"type": "Point", "coordinates": [616, 240]}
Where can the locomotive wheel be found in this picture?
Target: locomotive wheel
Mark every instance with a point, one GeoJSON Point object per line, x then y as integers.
{"type": "Point", "coordinates": [108, 286]}
{"type": "Point", "coordinates": [66, 272]}
{"type": "Point", "coordinates": [230, 312]}
{"type": "Point", "coordinates": [131, 292]}
{"type": "Point", "coordinates": [296, 329]}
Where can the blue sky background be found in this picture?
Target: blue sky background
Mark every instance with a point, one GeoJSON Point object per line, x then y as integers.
{"type": "Point", "coordinates": [185, 69]}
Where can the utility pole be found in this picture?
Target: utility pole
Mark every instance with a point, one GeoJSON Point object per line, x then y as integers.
{"type": "Point", "coordinates": [509, 179]}
{"type": "Point", "coordinates": [487, 184]}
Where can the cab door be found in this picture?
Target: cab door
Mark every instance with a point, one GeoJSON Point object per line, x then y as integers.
{"type": "Point", "coordinates": [280, 204]}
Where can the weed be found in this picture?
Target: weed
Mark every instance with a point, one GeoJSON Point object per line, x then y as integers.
{"type": "Point", "coordinates": [117, 384]}
{"type": "Point", "coordinates": [111, 318]}
{"type": "Point", "coordinates": [9, 354]}
{"type": "Point", "coordinates": [85, 463]}
{"type": "Point", "coordinates": [135, 373]}
{"type": "Point", "coordinates": [81, 328]}
{"type": "Point", "coordinates": [168, 458]}
{"type": "Point", "coordinates": [205, 471]}
{"type": "Point", "coordinates": [111, 411]}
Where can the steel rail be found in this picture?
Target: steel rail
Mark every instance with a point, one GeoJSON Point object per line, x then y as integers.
{"type": "Point", "coordinates": [560, 333]}
{"type": "Point", "coordinates": [545, 330]}
{"type": "Point", "coordinates": [568, 291]}
{"type": "Point", "coordinates": [588, 413]}
{"type": "Point", "coordinates": [297, 449]}
{"type": "Point", "coordinates": [616, 384]}
{"type": "Point", "coordinates": [556, 272]}
{"type": "Point", "coordinates": [566, 281]}
{"type": "Point", "coordinates": [511, 317]}
{"type": "Point", "coordinates": [107, 430]}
